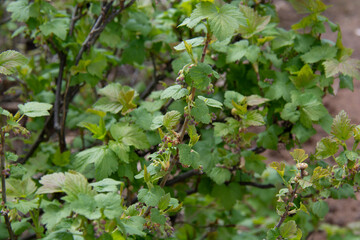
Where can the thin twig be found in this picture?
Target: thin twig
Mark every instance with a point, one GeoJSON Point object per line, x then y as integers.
{"type": "Point", "coordinates": [3, 185]}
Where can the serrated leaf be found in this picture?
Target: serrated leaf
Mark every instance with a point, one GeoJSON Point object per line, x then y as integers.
{"type": "Point", "coordinates": [203, 10]}
{"type": "Point", "coordinates": [253, 22]}
{"type": "Point", "coordinates": [299, 155]}
{"type": "Point", "coordinates": [61, 158]}
{"type": "Point", "coordinates": [253, 118]}
{"type": "Point", "coordinates": [132, 226]}
{"type": "Point", "coordinates": [341, 127]}
{"type": "Point", "coordinates": [164, 201]}
{"type": "Point", "coordinates": [211, 102]}
{"type": "Point", "coordinates": [151, 197]}
{"type": "Point", "coordinates": [304, 183]}
{"type": "Point", "coordinates": [279, 167]}
{"type": "Point", "coordinates": [188, 156]}
{"type": "Point", "coordinates": [255, 100]}
{"type": "Point", "coordinates": [20, 10]}
{"type": "Point", "coordinates": [231, 96]}
{"type": "Point", "coordinates": [85, 205]}
{"type": "Point", "coordinates": [320, 208]}
{"type": "Point", "coordinates": [35, 109]}
{"type": "Point", "coordinates": [305, 77]}
{"type": "Point", "coordinates": [20, 188]}
{"type": "Point", "coordinates": [10, 60]}
{"type": "Point", "coordinates": [129, 135]}
{"type": "Point", "coordinates": [194, 42]}
{"type": "Point", "coordinates": [171, 119]}
{"type": "Point", "coordinates": [176, 92]}
{"type": "Point", "coordinates": [24, 206]}
{"type": "Point", "coordinates": [58, 26]}
{"type": "Point", "coordinates": [224, 23]}
{"type": "Point", "coordinates": [219, 175]}
{"type": "Point", "coordinates": [302, 133]}
{"type": "Point", "coordinates": [199, 75]}
{"type": "Point", "coordinates": [116, 98]}
{"type": "Point", "coordinates": [319, 53]}
{"type": "Point", "coordinates": [327, 147]}
{"type": "Point", "coordinates": [121, 150]}
{"type": "Point", "coordinates": [201, 112]}
{"type": "Point", "coordinates": [346, 66]}
{"type": "Point", "coordinates": [319, 173]}
{"type": "Point", "coordinates": [288, 229]}
{"type": "Point", "coordinates": [106, 185]}
{"type": "Point", "coordinates": [157, 217]}
{"type": "Point", "coordinates": [269, 138]}
{"type": "Point", "coordinates": [110, 203]}
{"type": "Point", "coordinates": [236, 51]}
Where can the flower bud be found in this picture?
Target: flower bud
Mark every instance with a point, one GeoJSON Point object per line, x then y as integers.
{"type": "Point", "coordinates": [301, 166]}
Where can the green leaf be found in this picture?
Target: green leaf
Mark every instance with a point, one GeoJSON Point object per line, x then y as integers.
{"type": "Point", "coordinates": [194, 42]}
{"type": "Point", "coordinates": [302, 133]}
{"type": "Point", "coordinates": [219, 175]}
{"type": "Point", "coordinates": [211, 102]}
{"type": "Point", "coordinates": [346, 66]}
{"type": "Point", "coordinates": [199, 75]}
{"type": "Point", "coordinates": [201, 112]}
{"type": "Point", "coordinates": [203, 10]}
{"type": "Point", "coordinates": [132, 225]}
{"type": "Point", "coordinates": [116, 98]}
{"type": "Point", "coordinates": [129, 135]}
{"type": "Point", "coordinates": [175, 92]}
{"type": "Point", "coordinates": [318, 53]}
{"type": "Point", "coordinates": [164, 201]}
{"type": "Point", "coordinates": [299, 155]}
{"type": "Point", "coordinates": [224, 23]}
{"type": "Point", "coordinates": [35, 109]}
{"type": "Point", "coordinates": [327, 147]}
{"type": "Point", "coordinates": [20, 10]}
{"type": "Point", "coordinates": [346, 82]}
{"type": "Point", "coordinates": [110, 203]}
{"type": "Point", "coordinates": [19, 188]}
{"type": "Point", "coordinates": [85, 205]}
{"type": "Point", "coordinates": [319, 173]}
{"type": "Point", "coordinates": [253, 118]}
{"type": "Point", "coordinates": [188, 156]}
{"type": "Point", "coordinates": [57, 26]}
{"type": "Point", "coordinates": [279, 167]}
{"type": "Point", "coordinates": [236, 51]}
{"type": "Point", "coordinates": [269, 138]}
{"type": "Point", "coordinates": [121, 150]}
{"type": "Point", "coordinates": [305, 77]}
{"type": "Point", "coordinates": [345, 191]}
{"type": "Point", "coordinates": [341, 127]}
{"type": "Point", "coordinates": [253, 22]}
{"type": "Point", "coordinates": [171, 119]}
{"type": "Point", "coordinates": [151, 197]}
{"type": "Point", "coordinates": [341, 160]}
{"type": "Point", "coordinates": [231, 96]}
{"type": "Point", "coordinates": [288, 229]}
{"type": "Point", "coordinates": [157, 217]}
{"type": "Point", "coordinates": [252, 53]}
{"type": "Point", "coordinates": [24, 206]}
{"type": "Point", "coordinates": [10, 60]}
{"type": "Point", "coordinates": [106, 185]}
{"type": "Point", "coordinates": [320, 208]}
{"type": "Point", "coordinates": [61, 159]}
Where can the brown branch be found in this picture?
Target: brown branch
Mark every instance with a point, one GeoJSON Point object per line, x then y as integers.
{"type": "Point", "coordinates": [3, 185]}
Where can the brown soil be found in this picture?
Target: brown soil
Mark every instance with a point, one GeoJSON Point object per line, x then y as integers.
{"type": "Point", "coordinates": [345, 13]}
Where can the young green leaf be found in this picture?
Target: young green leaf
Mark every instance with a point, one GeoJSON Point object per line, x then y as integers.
{"type": "Point", "coordinates": [327, 147]}
{"type": "Point", "coordinates": [299, 155]}
{"type": "Point", "coordinates": [253, 22]}
{"type": "Point", "coordinates": [35, 109]}
{"type": "Point", "coordinates": [346, 66]}
{"type": "Point", "coordinates": [341, 127]}
{"type": "Point", "coordinates": [10, 60]}
{"type": "Point", "coordinates": [58, 26]}
{"type": "Point", "coordinates": [176, 92]}
{"type": "Point", "coordinates": [318, 53]}
{"type": "Point", "coordinates": [201, 112]}
{"type": "Point", "coordinates": [171, 119]}
{"type": "Point", "coordinates": [151, 197]}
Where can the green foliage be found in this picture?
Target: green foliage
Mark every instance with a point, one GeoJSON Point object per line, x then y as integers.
{"type": "Point", "coordinates": [157, 123]}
